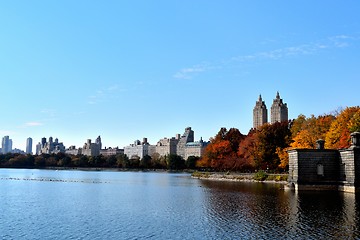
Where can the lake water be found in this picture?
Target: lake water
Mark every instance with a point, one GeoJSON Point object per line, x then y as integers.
{"type": "Point", "coordinates": [48, 204]}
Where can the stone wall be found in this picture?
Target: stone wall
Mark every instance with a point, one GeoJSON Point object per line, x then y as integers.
{"type": "Point", "coordinates": [319, 169]}
{"type": "Point", "coordinates": [350, 167]}
{"type": "Point", "coordinates": [310, 166]}
{"type": "Point", "coordinates": [357, 167]}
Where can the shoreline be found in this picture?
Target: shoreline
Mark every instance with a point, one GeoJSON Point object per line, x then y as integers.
{"type": "Point", "coordinates": [212, 176]}
{"type": "Point", "coordinates": [240, 177]}
{"type": "Point", "coordinates": [100, 169]}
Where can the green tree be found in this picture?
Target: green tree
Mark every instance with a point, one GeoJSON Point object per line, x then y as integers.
{"type": "Point", "coordinates": [175, 162]}
{"type": "Point", "coordinates": [39, 161]}
{"type": "Point", "coordinates": [122, 161]}
{"type": "Point", "coordinates": [191, 162]}
{"type": "Point", "coordinates": [111, 161]}
{"type": "Point", "coordinates": [145, 162]}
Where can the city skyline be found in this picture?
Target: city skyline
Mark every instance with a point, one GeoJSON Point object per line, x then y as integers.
{"type": "Point", "coordinates": [126, 70]}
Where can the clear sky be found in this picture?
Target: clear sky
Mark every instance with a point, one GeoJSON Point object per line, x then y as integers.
{"type": "Point", "coordinates": [132, 69]}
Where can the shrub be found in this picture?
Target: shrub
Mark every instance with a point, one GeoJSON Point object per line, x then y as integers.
{"type": "Point", "coordinates": [260, 176]}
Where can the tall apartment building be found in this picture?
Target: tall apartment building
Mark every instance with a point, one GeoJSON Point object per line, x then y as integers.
{"type": "Point", "coordinates": [72, 150]}
{"type": "Point", "coordinates": [167, 146]}
{"type": "Point", "coordinates": [111, 151]}
{"type": "Point", "coordinates": [183, 146]}
{"type": "Point", "coordinates": [195, 149]}
{"type": "Point", "coordinates": [279, 110]}
{"type": "Point", "coordinates": [260, 113]}
{"type": "Point", "coordinates": [139, 149]}
{"type": "Point", "coordinates": [91, 149]}
{"type": "Point", "coordinates": [29, 142]}
{"type": "Point", "coordinates": [98, 142]}
{"type": "Point", "coordinates": [50, 147]}
{"type": "Point", "coordinates": [187, 137]}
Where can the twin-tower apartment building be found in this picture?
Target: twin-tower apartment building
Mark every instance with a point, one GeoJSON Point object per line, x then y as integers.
{"type": "Point", "coordinates": [279, 111]}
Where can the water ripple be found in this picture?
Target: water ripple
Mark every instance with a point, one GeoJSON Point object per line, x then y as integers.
{"type": "Point", "coordinates": [165, 206]}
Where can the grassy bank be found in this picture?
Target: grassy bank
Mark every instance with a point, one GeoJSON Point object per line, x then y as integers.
{"type": "Point", "coordinates": [259, 176]}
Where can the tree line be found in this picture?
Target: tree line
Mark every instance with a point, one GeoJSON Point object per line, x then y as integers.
{"type": "Point", "coordinates": [172, 161]}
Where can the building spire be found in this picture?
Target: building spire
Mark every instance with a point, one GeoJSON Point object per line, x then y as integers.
{"type": "Point", "coordinates": [260, 99]}
{"type": "Point", "coordinates": [277, 95]}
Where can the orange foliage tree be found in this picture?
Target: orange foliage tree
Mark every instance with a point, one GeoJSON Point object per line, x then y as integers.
{"type": "Point", "coordinates": [283, 157]}
{"type": "Point", "coordinates": [247, 152]}
{"type": "Point", "coordinates": [269, 138]}
{"type": "Point", "coordinates": [221, 153]}
{"type": "Point", "coordinates": [346, 122]}
{"type": "Point", "coordinates": [305, 131]}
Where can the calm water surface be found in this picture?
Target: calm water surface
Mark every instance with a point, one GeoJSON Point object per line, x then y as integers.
{"type": "Point", "coordinates": [47, 204]}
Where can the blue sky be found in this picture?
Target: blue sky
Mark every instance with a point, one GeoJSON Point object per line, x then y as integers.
{"type": "Point", "coordinates": [132, 69]}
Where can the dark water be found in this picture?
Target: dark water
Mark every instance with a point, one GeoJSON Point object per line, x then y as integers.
{"type": "Point", "coordinates": [46, 204]}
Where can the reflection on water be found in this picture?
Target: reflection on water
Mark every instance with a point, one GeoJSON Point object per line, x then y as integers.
{"type": "Point", "coordinates": [262, 211]}
{"type": "Point", "coordinates": [45, 204]}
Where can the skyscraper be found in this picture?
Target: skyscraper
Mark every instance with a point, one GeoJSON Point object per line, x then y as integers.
{"type": "Point", "coordinates": [29, 145]}
{"type": "Point", "coordinates": [98, 142]}
{"type": "Point", "coordinates": [259, 113]}
{"type": "Point", "coordinates": [279, 110]}
{"type": "Point", "coordinates": [6, 145]}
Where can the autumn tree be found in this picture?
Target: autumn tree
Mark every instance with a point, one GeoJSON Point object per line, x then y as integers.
{"type": "Point", "coordinates": [221, 153]}
{"type": "Point", "coordinates": [298, 124]}
{"type": "Point", "coordinates": [247, 152]}
{"type": "Point", "coordinates": [346, 122]}
{"type": "Point", "coordinates": [283, 157]}
{"type": "Point", "coordinates": [268, 138]}
{"type": "Point", "coordinates": [305, 131]}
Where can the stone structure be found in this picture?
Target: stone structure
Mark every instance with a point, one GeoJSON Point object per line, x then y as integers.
{"type": "Point", "coordinates": [259, 113]}
{"type": "Point", "coordinates": [139, 149]}
{"type": "Point", "coordinates": [317, 169]}
{"type": "Point", "coordinates": [51, 146]}
{"type": "Point", "coordinates": [279, 110]}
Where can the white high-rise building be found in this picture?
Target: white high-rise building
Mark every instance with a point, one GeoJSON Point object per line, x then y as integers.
{"type": "Point", "coordinates": [6, 145]}
{"type": "Point", "coordinates": [29, 145]}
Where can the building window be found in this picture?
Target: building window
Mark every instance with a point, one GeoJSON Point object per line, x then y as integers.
{"type": "Point", "coordinates": [320, 169]}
